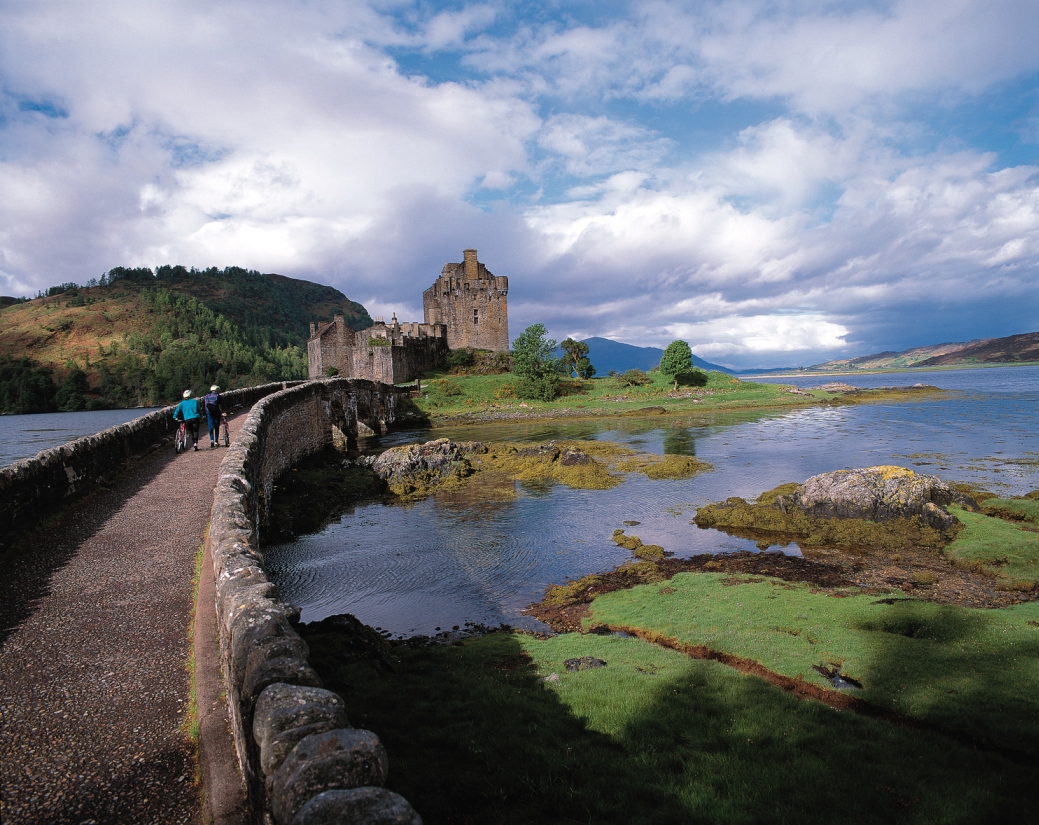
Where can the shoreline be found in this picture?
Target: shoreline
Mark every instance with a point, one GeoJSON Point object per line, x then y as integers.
{"type": "Point", "coordinates": [809, 373]}
{"type": "Point", "coordinates": [704, 405]}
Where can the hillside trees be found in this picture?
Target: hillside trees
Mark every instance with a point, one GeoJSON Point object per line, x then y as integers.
{"type": "Point", "coordinates": [71, 396]}
{"type": "Point", "coordinates": [25, 388]}
{"type": "Point", "coordinates": [180, 328]}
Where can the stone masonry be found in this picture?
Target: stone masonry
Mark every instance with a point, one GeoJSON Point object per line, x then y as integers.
{"type": "Point", "coordinates": [472, 303]}
{"type": "Point", "coordinates": [467, 306]}
{"type": "Point", "coordinates": [302, 761]}
{"type": "Point", "coordinates": [389, 353]}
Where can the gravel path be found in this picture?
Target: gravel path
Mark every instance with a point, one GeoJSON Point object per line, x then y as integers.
{"type": "Point", "coordinates": [94, 622]}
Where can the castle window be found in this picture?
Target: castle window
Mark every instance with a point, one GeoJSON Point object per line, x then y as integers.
{"type": "Point", "coordinates": [476, 316]}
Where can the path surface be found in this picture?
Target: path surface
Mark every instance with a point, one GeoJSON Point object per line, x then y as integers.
{"type": "Point", "coordinates": [94, 624]}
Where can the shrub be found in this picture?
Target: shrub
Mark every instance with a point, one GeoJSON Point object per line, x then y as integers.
{"type": "Point", "coordinates": [541, 388]}
{"type": "Point", "coordinates": [459, 359]}
{"type": "Point", "coordinates": [505, 391]}
{"type": "Point", "coordinates": [691, 378]}
{"type": "Point", "coordinates": [446, 387]}
{"type": "Point", "coordinates": [501, 362]}
{"type": "Point", "coordinates": [634, 378]}
{"type": "Point", "coordinates": [331, 372]}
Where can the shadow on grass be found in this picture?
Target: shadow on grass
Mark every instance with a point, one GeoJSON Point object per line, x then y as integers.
{"type": "Point", "coordinates": [973, 674]}
{"type": "Point", "coordinates": [475, 736]}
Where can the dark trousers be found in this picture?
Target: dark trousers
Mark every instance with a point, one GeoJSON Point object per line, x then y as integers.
{"type": "Point", "coordinates": [214, 426]}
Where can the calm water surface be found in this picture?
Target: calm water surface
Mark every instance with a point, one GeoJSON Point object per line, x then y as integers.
{"type": "Point", "coordinates": [411, 569]}
{"type": "Point", "coordinates": [23, 436]}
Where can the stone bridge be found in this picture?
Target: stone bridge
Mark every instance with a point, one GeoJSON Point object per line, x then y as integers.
{"type": "Point", "coordinates": [125, 552]}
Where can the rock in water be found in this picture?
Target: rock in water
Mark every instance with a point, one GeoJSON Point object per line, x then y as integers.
{"type": "Point", "coordinates": [573, 456]}
{"type": "Point", "coordinates": [419, 466]}
{"type": "Point", "coordinates": [878, 494]}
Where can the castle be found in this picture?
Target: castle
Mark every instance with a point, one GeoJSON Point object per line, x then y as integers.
{"type": "Point", "coordinates": [466, 306]}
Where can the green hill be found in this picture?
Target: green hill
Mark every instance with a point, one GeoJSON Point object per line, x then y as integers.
{"type": "Point", "coordinates": [1013, 349]}
{"type": "Point", "coordinates": [138, 337]}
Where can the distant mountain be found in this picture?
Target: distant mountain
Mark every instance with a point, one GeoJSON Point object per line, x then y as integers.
{"type": "Point", "coordinates": [607, 355]}
{"type": "Point", "coordinates": [1009, 350]}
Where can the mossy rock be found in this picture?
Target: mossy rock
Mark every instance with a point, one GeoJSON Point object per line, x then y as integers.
{"type": "Point", "coordinates": [670, 467]}
{"type": "Point", "coordinates": [561, 595]}
{"type": "Point", "coordinates": [766, 521]}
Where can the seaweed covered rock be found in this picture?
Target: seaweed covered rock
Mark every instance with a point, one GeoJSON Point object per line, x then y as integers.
{"type": "Point", "coordinates": [417, 467]}
{"type": "Point", "coordinates": [648, 552]}
{"type": "Point", "coordinates": [884, 508]}
{"type": "Point", "coordinates": [877, 494]}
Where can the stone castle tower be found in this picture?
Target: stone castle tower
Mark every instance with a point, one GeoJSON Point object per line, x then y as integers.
{"type": "Point", "coordinates": [471, 302]}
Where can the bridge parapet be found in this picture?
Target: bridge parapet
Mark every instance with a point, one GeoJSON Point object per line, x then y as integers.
{"type": "Point", "coordinates": [33, 488]}
{"type": "Point", "coordinates": [300, 759]}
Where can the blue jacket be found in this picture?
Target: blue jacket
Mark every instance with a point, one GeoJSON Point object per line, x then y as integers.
{"type": "Point", "coordinates": [186, 409]}
{"type": "Point", "coordinates": [212, 404]}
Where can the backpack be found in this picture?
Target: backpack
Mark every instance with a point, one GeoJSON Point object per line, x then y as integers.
{"type": "Point", "coordinates": [212, 401]}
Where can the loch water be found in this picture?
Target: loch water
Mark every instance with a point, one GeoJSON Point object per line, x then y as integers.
{"type": "Point", "coordinates": [418, 567]}
{"type": "Point", "coordinates": [23, 436]}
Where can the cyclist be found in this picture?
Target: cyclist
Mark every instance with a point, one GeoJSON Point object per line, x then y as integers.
{"type": "Point", "coordinates": [212, 404]}
{"type": "Point", "coordinates": [187, 410]}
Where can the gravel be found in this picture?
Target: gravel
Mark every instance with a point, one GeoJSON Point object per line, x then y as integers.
{"type": "Point", "coordinates": [94, 618]}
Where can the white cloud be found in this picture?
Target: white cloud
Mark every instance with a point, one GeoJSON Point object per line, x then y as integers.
{"type": "Point", "coordinates": [286, 136]}
{"type": "Point", "coordinates": [591, 146]}
{"type": "Point", "coordinates": [761, 335]}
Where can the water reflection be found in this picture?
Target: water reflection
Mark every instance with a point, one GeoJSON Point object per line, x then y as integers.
{"type": "Point", "coordinates": [679, 441]}
{"type": "Point", "coordinates": [482, 556]}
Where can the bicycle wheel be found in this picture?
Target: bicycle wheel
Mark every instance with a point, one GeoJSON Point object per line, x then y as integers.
{"type": "Point", "coordinates": [226, 433]}
{"type": "Point", "coordinates": [178, 442]}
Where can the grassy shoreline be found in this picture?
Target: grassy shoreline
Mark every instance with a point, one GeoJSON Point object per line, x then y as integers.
{"type": "Point", "coordinates": [448, 400]}
{"type": "Point", "coordinates": [637, 713]}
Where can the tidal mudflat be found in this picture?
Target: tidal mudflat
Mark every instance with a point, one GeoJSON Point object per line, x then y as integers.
{"type": "Point", "coordinates": [701, 686]}
{"type": "Point", "coordinates": [411, 567]}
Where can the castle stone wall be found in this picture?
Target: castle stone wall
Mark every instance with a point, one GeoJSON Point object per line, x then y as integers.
{"type": "Point", "coordinates": [473, 304]}
{"type": "Point", "coordinates": [409, 349]}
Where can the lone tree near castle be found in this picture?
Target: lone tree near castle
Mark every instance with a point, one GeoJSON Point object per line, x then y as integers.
{"type": "Point", "coordinates": [677, 359]}
{"type": "Point", "coordinates": [575, 358]}
{"type": "Point", "coordinates": [534, 361]}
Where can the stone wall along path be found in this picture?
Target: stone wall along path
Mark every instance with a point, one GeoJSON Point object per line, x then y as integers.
{"type": "Point", "coordinates": [94, 623]}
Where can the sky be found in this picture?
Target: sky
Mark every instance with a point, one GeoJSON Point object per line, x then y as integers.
{"type": "Point", "coordinates": [779, 183]}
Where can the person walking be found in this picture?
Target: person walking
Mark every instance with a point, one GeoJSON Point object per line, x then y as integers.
{"type": "Point", "coordinates": [187, 411]}
{"type": "Point", "coordinates": [213, 413]}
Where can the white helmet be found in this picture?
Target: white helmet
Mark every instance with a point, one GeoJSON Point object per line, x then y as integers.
{"type": "Point", "coordinates": [214, 388]}
{"type": "Point", "coordinates": [187, 393]}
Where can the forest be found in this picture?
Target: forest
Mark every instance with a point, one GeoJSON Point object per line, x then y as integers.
{"type": "Point", "coordinates": [177, 329]}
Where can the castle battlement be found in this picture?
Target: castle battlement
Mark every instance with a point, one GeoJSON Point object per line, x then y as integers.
{"type": "Point", "coordinates": [465, 307]}
{"type": "Point", "coordinates": [472, 302]}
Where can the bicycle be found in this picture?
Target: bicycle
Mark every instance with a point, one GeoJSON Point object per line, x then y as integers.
{"type": "Point", "coordinates": [182, 440]}
{"type": "Point", "coordinates": [225, 434]}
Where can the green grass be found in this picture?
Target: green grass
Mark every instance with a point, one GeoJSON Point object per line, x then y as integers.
{"type": "Point", "coordinates": [1012, 509]}
{"type": "Point", "coordinates": [1006, 550]}
{"type": "Point", "coordinates": [974, 672]}
{"type": "Point", "coordinates": [189, 724]}
{"type": "Point", "coordinates": [447, 396]}
{"type": "Point", "coordinates": [475, 737]}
